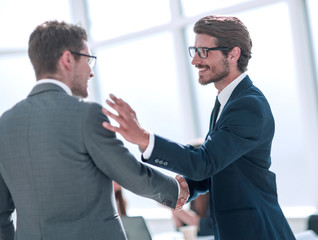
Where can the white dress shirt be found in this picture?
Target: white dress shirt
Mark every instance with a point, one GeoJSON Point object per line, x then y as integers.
{"type": "Point", "coordinates": [225, 94]}
{"type": "Point", "coordinates": [56, 82]}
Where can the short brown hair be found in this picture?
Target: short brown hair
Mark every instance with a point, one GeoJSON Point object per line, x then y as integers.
{"type": "Point", "coordinates": [49, 40]}
{"type": "Point", "coordinates": [229, 32]}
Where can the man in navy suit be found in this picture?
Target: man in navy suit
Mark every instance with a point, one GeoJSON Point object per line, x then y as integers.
{"type": "Point", "coordinates": [233, 162]}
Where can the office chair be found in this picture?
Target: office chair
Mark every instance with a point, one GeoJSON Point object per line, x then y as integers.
{"type": "Point", "coordinates": [313, 223]}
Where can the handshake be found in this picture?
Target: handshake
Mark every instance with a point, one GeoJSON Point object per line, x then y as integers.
{"type": "Point", "coordinates": [183, 192]}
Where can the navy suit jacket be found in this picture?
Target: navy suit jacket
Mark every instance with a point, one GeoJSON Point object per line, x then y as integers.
{"type": "Point", "coordinates": [233, 165]}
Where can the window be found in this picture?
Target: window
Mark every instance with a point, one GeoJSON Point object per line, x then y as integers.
{"type": "Point", "coordinates": [15, 85]}
{"type": "Point", "coordinates": [313, 21]}
{"type": "Point", "coordinates": [120, 17]}
{"type": "Point", "coordinates": [19, 18]}
{"type": "Point", "coordinates": [17, 75]}
{"type": "Point", "coordinates": [192, 8]}
{"type": "Point", "coordinates": [272, 68]}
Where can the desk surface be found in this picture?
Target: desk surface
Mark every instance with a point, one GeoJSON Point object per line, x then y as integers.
{"type": "Point", "coordinates": [176, 236]}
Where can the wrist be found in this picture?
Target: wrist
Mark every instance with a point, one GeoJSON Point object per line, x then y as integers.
{"type": "Point", "coordinates": [144, 141]}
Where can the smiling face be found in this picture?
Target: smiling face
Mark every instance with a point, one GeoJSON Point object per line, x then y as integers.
{"type": "Point", "coordinates": [215, 67]}
{"type": "Point", "coordinates": [82, 73]}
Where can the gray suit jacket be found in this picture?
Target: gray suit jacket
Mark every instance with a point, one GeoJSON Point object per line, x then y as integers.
{"type": "Point", "coordinates": [57, 164]}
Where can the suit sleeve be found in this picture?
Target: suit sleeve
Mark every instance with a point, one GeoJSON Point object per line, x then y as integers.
{"type": "Point", "coordinates": [197, 188]}
{"type": "Point", "coordinates": [243, 125]}
{"type": "Point", "coordinates": [118, 164]}
{"type": "Point", "coordinates": [6, 210]}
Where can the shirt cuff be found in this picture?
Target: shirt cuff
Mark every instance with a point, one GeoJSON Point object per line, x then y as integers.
{"type": "Point", "coordinates": [147, 153]}
{"type": "Point", "coordinates": [178, 187]}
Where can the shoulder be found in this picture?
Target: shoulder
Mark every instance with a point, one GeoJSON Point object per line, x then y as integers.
{"type": "Point", "coordinates": [82, 106]}
{"type": "Point", "coordinates": [247, 109]}
{"type": "Point", "coordinates": [91, 111]}
{"type": "Point", "coordinates": [249, 99]}
{"type": "Point", "coordinates": [90, 106]}
{"type": "Point", "coordinates": [94, 118]}
{"type": "Point", "coordinates": [10, 113]}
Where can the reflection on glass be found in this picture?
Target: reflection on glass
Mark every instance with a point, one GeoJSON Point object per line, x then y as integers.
{"type": "Point", "coordinates": [271, 68]}
{"type": "Point", "coordinates": [19, 19]}
{"type": "Point", "coordinates": [191, 8]}
{"type": "Point", "coordinates": [114, 18]}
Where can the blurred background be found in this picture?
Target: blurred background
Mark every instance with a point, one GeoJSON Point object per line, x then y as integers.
{"type": "Point", "coordinates": [141, 49]}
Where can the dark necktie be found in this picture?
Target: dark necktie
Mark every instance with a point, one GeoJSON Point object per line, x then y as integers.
{"type": "Point", "coordinates": [215, 113]}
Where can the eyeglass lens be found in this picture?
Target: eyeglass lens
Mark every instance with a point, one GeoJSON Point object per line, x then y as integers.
{"type": "Point", "coordinates": [92, 62]}
{"type": "Point", "coordinates": [202, 52]}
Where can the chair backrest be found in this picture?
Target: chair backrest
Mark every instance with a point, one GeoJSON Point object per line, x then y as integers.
{"type": "Point", "coordinates": [136, 228]}
{"type": "Point", "coordinates": [306, 235]}
{"type": "Point", "coordinates": [313, 223]}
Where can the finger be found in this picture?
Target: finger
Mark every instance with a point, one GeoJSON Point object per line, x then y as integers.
{"type": "Point", "coordinates": [113, 97]}
{"type": "Point", "coordinates": [183, 184]}
{"type": "Point", "coordinates": [178, 176]}
{"type": "Point", "coordinates": [117, 101]}
{"type": "Point", "coordinates": [110, 127]}
{"type": "Point", "coordinates": [122, 123]}
{"type": "Point", "coordinates": [180, 203]}
{"type": "Point", "coordinates": [104, 110]}
{"type": "Point", "coordinates": [110, 114]}
{"type": "Point", "coordinates": [120, 109]}
{"type": "Point", "coordinates": [182, 181]}
{"type": "Point", "coordinates": [122, 103]}
{"type": "Point", "coordinates": [111, 104]}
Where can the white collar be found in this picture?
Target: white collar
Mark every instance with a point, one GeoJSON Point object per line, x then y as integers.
{"type": "Point", "coordinates": [56, 82]}
{"type": "Point", "coordinates": [225, 94]}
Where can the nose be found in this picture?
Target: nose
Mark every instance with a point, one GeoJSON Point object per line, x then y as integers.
{"type": "Point", "coordinates": [196, 59]}
{"type": "Point", "coordinates": [91, 75]}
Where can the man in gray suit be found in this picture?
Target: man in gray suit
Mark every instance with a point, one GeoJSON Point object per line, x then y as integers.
{"type": "Point", "coordinates": [57, 162]}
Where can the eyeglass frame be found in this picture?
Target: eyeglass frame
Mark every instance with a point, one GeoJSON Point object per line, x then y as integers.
{"type": "Point", "coordinates": [207, 49]}
{"type": "Point", "coordinates": [91, 61]}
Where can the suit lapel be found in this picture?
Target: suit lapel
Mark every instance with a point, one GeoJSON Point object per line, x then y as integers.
{"type": "Point", "coordinates": [242, 86]}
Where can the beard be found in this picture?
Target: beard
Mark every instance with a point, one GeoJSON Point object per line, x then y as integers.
{"type": "Point", "coordinates": [217, 75]}
{"type": "Point", "coordinates": [80, 94]}
{"type": "Point", "coordinates": [79, 88]}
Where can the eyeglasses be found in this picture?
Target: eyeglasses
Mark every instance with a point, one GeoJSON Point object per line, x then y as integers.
{"type": "Point", "coordinates": [203, 51]}
{"type": "Point", "coordinates": [91, 59]}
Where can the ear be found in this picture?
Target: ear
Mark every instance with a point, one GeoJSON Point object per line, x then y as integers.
{"type": "Point", "coordinates": [66, 60]}
{"type": "Point", "coordinates": [234, 54]}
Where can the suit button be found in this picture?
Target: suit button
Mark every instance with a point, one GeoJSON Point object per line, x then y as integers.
{"type": "Point", "coordinates": [160, 162]}
{"type": "Point", "coordinates": [157, 161]}
{"type": "Point", "coordinates": [166, 202]}
{"type": "Point", "coordinates": [165, 164]}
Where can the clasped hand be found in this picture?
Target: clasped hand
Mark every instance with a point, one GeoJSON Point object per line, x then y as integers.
{"type": "Point", "coordinates": [184, 192]}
